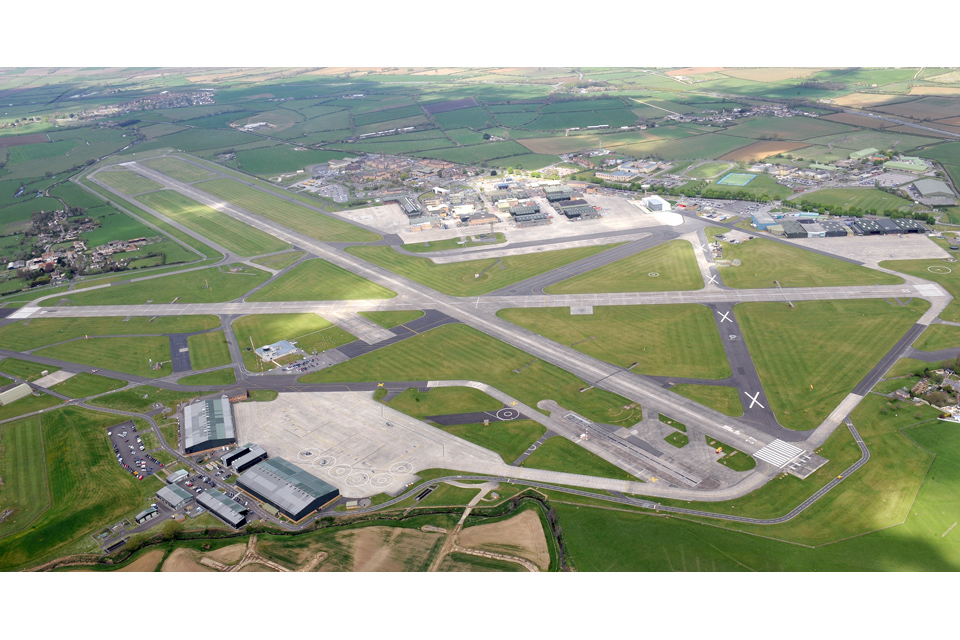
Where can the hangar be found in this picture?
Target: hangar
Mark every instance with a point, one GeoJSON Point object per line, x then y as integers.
{"type": "Point", "coordinates": [293, 491]}
{"type": "Point", "coordinates": [933, 188]}
{"type": "Point", "coordinates": [245, 457]}
{"type": "Point", "coordinates": [207, 424]}
{"type": "Point", "coordinates": [174, 497]}
{"type": "Point", "coordinates": [217, 503]}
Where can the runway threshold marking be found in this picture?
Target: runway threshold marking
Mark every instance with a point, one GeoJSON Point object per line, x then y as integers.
{"type": "Point", "coordinates": [779, 453]}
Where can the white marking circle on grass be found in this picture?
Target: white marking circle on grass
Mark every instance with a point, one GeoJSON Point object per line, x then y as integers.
{"type": "Point", "coordinates": [653, 274]}
{"type": "Point", "coordinates": [940, 270]}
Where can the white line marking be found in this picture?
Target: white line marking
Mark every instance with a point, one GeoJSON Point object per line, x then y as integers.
{"type": "Point", "coordinates": [753, 400]}
{"type": "Point", "coordinates": [723, 317]}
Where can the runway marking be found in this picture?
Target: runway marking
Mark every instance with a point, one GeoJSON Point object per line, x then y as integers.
{"type": "Point", "coordinates": [379, 384]}
{"type": "Point", "coordinates": [724, 317]}
{"type": "Point", "coordinates": [712, 280]}
{"type": "Point", "coordinates": [753, 399]}
{"type": "Point", "coordinates": [779, 453]}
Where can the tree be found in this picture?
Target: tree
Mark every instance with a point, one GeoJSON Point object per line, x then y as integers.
{"type": "Point", "coordinates": [171, 529]}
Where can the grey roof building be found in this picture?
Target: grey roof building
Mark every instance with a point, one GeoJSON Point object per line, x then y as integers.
{"type": "Point", "coordinates": [909, 225]}
{"type": "Point", "coordinates": [793, 229]}
{"type": "Point", "coordinates": [933, 188]}
{"type": "Point", "coordinates": [177, 476]}
{"type": "Point", "coordinates": [833, 228]}
{"type": "Point", "coordinates": [582, 211]}
{"type": "Point", "coordinates": [524, 209]}
{"type": "Point", "coordinates": [293, 491]}
{"type": "Point", "coordinates": [245, 457]}
{"type": "Point", "coordinates": [207, 424]}
{"type": "Point", "coordinates": [146, 514]}
{"type": "Point", "coordinates": [888, 225]}
{"type": "Point", "coordinates": [174, 497]}
{"type": "Point", "coordinates": [217, 503]}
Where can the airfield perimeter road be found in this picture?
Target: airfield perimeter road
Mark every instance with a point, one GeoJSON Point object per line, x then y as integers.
{"type": "Point", "coordinates": [480, 313]}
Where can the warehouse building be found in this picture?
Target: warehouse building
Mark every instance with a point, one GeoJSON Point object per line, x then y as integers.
{"type": "Point", "coordinates": [933, 189]}
{"type": "Point", "coordinates": [532, 220]}
{"type": "Point", "coordinates": [177, 476]}
{"type": "Point", "coordinates": [793, 229]}
{"type": "Point", "coordinates": [834, 228]}
{"type": "Point", "coordinates": [909, 225]}
{"type": "Point", "coordinates": [245, 457]}
{"type": "Point", "coordinates": [207, 424]}
{"type": "Point", "coordinates": [146, 514]}
{"type": "Point", "coordinates": [217, 503]}
{"type": "Point", "coordinates": [174, 496]}
{"type": "Point", "coordinates": [555, 194]}
{"type": "Point", "coordinates": [580, 212]}
{"type": "Point", "coordinates": [762, 221]}
{"type": "Point", "coordinates": [877, 227]}
{"type": "Point", "coordinates": [293, 491]}
{"type": "Point", "coordinates": [524, 209]}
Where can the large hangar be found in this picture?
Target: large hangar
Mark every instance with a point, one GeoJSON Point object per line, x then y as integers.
{"type": "Point", "coordinates": [294, 492]}
{"type": "Point", "coordinates": [207, 424]}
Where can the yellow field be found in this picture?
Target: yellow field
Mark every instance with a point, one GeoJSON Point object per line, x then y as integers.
{"type": "Point", "coordinates": [864, 99]}
{"type": "Point", "coordinates": [772, 74]}
{"type": "Point", "coordinates": [935, 91]}
{"type": "Point", "coordinates": [760, 150]}
{"type": "Point", "coordinates": [693, 71]}
{"type": "Point", "coordinates": [950, 77]}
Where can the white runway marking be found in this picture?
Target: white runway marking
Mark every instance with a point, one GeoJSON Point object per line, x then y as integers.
{"type": "Point", "coordinates": [724, 317]}
{"type": "Point", "coordinates": [712, 280]}
{"type": "Point", "coordinates": [779, 453]}
{"type": "Point", "coordinates": [753, 400]}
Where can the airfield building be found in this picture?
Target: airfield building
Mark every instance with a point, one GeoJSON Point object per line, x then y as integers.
{"type": "Point", "coordinates": [933, 188]}
{"type": "Point", "coordinates": [207, 424]}
{"type": "Point", "coordinates": [278, 349]}
{"type": "Point", "coordinates": [147, 514]}
{"type": "Point", "coordinates": [293, 491]}
{"type": "Point", "coordinates": [15, 393]}
{"type": "Point", "coordinates": [793, 229]}
{"type": "Point", "coordinates": [878, 227]}
{"type": "Point", "coordinates": [174, 497]}
{"type": "Point", "coordinates": [245, 457]}
{"type": "Point", "coordinates": [909, 225]}
{"type": "Point", "coordinates": [762, 220]}
{"type": "Point", "coordinates": [557, 193]}
{"type": "Point", "coordinates": [217, 503]}
{"type": "Point", "coordinates": [655, 203]}
{"type": "Point", "coordinates": [177, 476]}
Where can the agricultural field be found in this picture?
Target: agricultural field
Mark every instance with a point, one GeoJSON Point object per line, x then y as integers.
{"type": "Point", "coordinates": [476, 357]}
{"type": "Point", "coordinates": [674, 263]}
{"type": "Point", "coordinates": [320, 280]}
{"type": "Point", "coordinates": [308, 330]}
{"type": "Point", "coordinates": [758, 151]}
{"type": "Point", "coordinates": [233, 235]}
{"type": "Point", "coordinates": [271, 161]}
{"type": "Point", "coordinates": [796, 128]}
{"type": "Point", "coordinates": [458, 278]}
{"type": "Point", "coordinates": [807, 371]}
{"type": "Point", "coordinates": [663, 340]}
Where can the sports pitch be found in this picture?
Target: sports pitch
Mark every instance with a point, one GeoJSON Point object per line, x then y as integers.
{"type": "Point", "coordinates": [737, 179]}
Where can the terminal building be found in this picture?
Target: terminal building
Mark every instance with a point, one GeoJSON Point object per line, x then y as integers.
{"type": "Point", "coordinates": [217, 503]}
{"type": "Point", "coordinates": [244, 457]}
{"type": "Point", "coordinates": [207, 424]}
{"type": "Point", "coordinates": [174, 496]}
{"type": "Point", "coordinates": [294, 492]}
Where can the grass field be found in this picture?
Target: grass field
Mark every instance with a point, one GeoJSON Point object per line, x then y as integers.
{"type": "Point", "coordinates": [472, 355]}
{"type": "Point", "coordinates": [665, 340]}
{"type": "Point", "coordinates": [736, 179]}
{"type": "Point", "coordinates": [126, 354]}
{"type": "Point", "coordinates": [708, 170]}
{"type": "Point", "coordinates": [29, 404]}
{"type": "Point", "coordinates": [443, 401]}
{"type": "Point", "coordinates": [311, 223]}
{"type": "Point", "coordinates": [204, 285]}
{"type": "Point", "coordinates": [310, 331]}
{"type": "Point", "coordinates": [560, 454]}
{"type": "Point", "coordinates": [320, 280]}
{"type": "Point", "coordinates": [863, 199]}
{"type": "Point", "coordinates": [732, 458]}
{"type": "Point", "coordinates": [451, 243]}
{"type": "Point", "coordinates": [726, 400]}
{"type": "Point", "coordinates": [233, 235]}
{"type": "Point", "coordinates": [674, 262]}
{"type": "Point", "coordinates": [127, 182]}
{"type": "Point", "coordinates": [88, 490]}
{"type": "Point", "coordinates": [922, 268]}
{"type": "Point", "coordinates": [507, 439]}
{"type": "Point", "coordinates": [458, 279]}
{"type": "Point", "coordinates": [23, 467]}
{"type": "Point", "coordinates": [208, 350]}
{"type": "Point", "coordinates": [218, 377]}
{"type": "Point", "coordinates": [179, 170]}
{"type": "Point", "coordinates": [28, 371]}
{"type": "Point", "coordinates": [85, 384]}
{"type": "Point", "coordinates": [805, 370]}
{"type": "Point", "coordinates": [677, 439]}
{"type": "Point", "coordinates": [938, 336]}
{"type": "Point", "coordinates": [38, 332]}
{"type": "Point", "coordinates": [280, 261]}
{"type": "Point", "coordinates": [762, 261]}
{"type": "Point", "coordinates": [390, 319]}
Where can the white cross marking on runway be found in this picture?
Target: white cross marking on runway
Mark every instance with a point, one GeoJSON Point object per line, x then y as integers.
{"type": "Point", "coordinates": [723, 317]}
{"type": "Point", "coordinates": [712, 280]}
{"type": "Point", "coordinates": [753, 400]}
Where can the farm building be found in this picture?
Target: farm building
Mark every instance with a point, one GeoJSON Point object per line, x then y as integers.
{"type": "Point", "coordinates": [245, 457]}
{"type": "Point", "coordinates": [933, 188]}
{"type": "Point", "coordinates": [793, 229]}
{"type": "Point", "coordinates": [278, 349]}
{"type": "Point", "coordinates": [762, 220]}
{"type": "Point", "coordinates": [177, 476]}
{"type": "Point", "coordinates": [907, 163]}
{"type": "Point", "coordinates": [293, 491]}
{"type": "Point", "coordinates": [207, 424]}
{"type": "Point", "coordinates": [909, 225]}
{"type": "Point", "coordinates": [655, 203]}
{"type": "Point", "coordinates": [863, 153]}
{"type": "Point", "coordinates": [217, 503]}
{"type": "Point", "coordinates": [14, 394]}
{"type": "Point", "coordinates": [174, 497]}
{"type": "Point", "coordinates": [147, 514]}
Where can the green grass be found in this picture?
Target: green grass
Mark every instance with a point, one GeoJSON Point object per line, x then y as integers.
{"type": "Point", "coordinates": [470, 355]}
{"type": "Point", "coordinates": [23, 468]}
{"type": "Point", "coordinates": [726, 400]}
{"type": "Point", "coordinates": [306, 221]}
{"type": "Point", "coordinates": [208, 350]}
{"type": "Point", "coordinates": [88, 490]}
{"type": "Point", "coordinates": [677, 439]}
{"type": "Point", "coordinates": [673, 423]}
{"type": "Point", "coordinates": [28, 404]}
{"type": "Point", "coordinates": [921, 268]}
{"type": "Point", "coordinates": [443, 401]}
{"type": "Point", "coordinates": [451, 243]}
{"type": "Point", "coordinates": [320, 280]}
{"type": "Point", "coordinates": [665, 340]}
{"type": "Point", "coordinates": [178, 170]}
{"type": "Point", "coordinates": [674, 261]}
{"type": "Point", "coordinates": [763, 261]}
{"type": "Point", "coordinates": [806, 370]}
{"type": "Point", "coordinates": [28, 371]}
{"type": "Point", "coordinates": [308, 330]}
{"type": "Point", "coordinates": [263, 395]}
{"type": "Point", "coordinates": [133, 400]}
{"type": "Point", "coordinates": [283, 159]}
{"type": "Point", "coordinates": [125, 354]}
{"type": "Point", "coordinates": [169, 433]}
{"type": "Point", "coordinates": [938, 336]}
{"type": "Point", "coordinates": [280, 261]}
{"type": "Point", "coordinates": [38, 332]}
{"type": "Point", "coordinates": [219, 377]}
{"type": "Point", "coordinates": [127, 182]}
{"type": "Point", "coordinates": [560, 454]}
{"type": "Point", "coordinates": [907, 367]}
{"type": "Point", "coordinates": [235, 236]}
{"type": "Point", "coordinates": [203, 285]}
{"type": "Point", "coordinates": [732, 458]}
{"type": "Point", "coordinates": [390, 319]}
{"type": "Point", "coordinates": [507, 439]}
{"type": "Point", "coordinates": [708, 170]}
{"type": "Point", "coordinates": [85, 384]}
{"type": "Point", "coordinates": [863, 199]}
{"type": "Point", "coordinates": [458, 279]}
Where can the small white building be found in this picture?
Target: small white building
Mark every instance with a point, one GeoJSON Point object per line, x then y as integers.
{"type": "Point", "coordinates": [655, 203]}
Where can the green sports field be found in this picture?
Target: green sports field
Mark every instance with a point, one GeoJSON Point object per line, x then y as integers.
{"type": "Point", "coordinates": [320, 280]}
{"type": "Point", "coordinates": [236, 236]}
{"type": "Point", "coordinates": [674, 264]}
{"type": "Point", "coordinates": [665, 340]}
{"type": "Point", "coordinates": [127, 182]}
{"type": "Point", "coordinates": [736, 179]}
{"type": "Point", "coordinates": [458, 279]}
